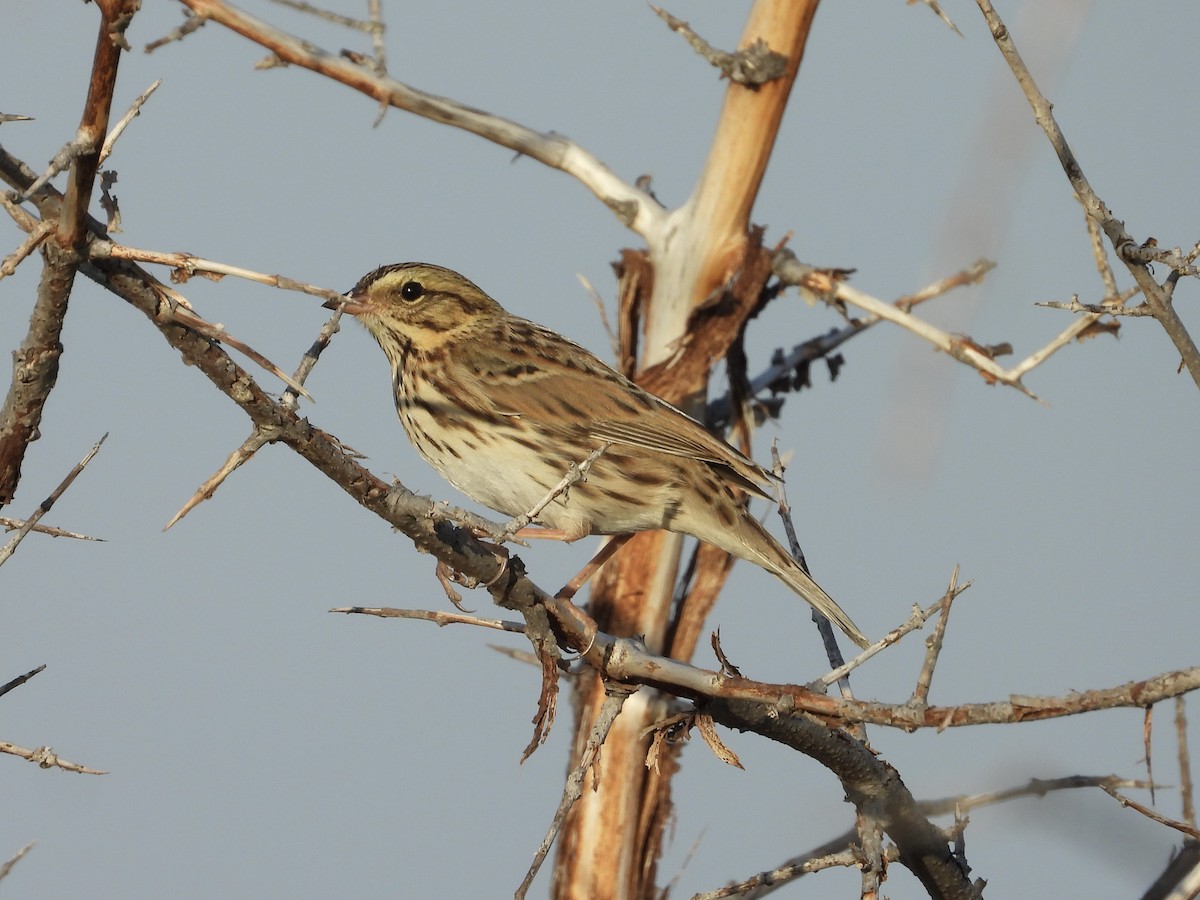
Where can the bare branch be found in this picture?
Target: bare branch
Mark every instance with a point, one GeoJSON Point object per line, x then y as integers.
{"type": "Point", "coordinates": [832, 651]}
{"type": "Point", "coordinates": [937, 10]}
{"type": "Point", "coordinates": [575, 474]}
{"type": "Point", "coordinates": [792, 271]}
{"type": "Point", "coordinates": [186, 265]}
{"type": "Point", "coordinates": [933, 645]}
{"type": "Point", "coordinates": [260, 436]}
{"type": "Point", "coordinates": [1107, 308]}
{"type": "Point", "coordinates": [255, 442]}
{"type": "Point", "coordinates": [190, 24]}
{"type": "Point", "coordinates": [636, 209]}
{"type": "Point", "coordinates": [8, 549]}
{"type": "Point", "coordinates": [60, 162]}
{"type": "Point", "coordinates": [21, 679]}
{"type": "Point", "coordinates": [751, 66]}
{"type": "Point", "coordinates": [437, 617]}
{"type": "Point", "coordinates": [46, 758]}
{"type": "Point", "coordinates": [1129, 251]}
{"type": "Point", "coordinates": [327, 15]}
{"type": "Point", "coordinates": [14, 859]}
{"type": "Point", "coordinates": [116, 16]}
{"type": "Point", "coordinates": [43, 230]}
{"type": "Point", "coordinates": [833, 853]}
{"type": "Point", "coordinates": [788, 371]}
{"type": "Point", "coordinates": [35, 369]}
{"type": "Point", "coordinates": [1128, 803]}
{"type": "Point", "coordinates": [135, 109]}
{"type": "Point", "coordinates": [178, 310]}
{"type": "Point", "coordinates": [1186, 787]}
{"type": "Point", "coordinates": [916, 620]}
{"type": "Point", "coordinates": [956, 346]}
{"type": "Point", "coordinates": [36, 362]}
{"type": "Point", "coordinates": [589, 761]}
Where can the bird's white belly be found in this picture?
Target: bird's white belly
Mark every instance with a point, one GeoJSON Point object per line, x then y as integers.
{"type": "Point", "coordinates": [491, 482]}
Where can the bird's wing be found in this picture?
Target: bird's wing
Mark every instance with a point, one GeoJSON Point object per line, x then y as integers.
{"type": "Point", "coordinates": [571, 393]}
{"type": "Point", "coordinates": [673, 432]}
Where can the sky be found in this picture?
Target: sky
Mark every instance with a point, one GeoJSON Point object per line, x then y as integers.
{"type": "Point", "coordinates": [259, 746]}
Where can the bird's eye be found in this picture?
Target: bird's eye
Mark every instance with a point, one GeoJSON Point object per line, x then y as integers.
{"type": "Point", "coordinates": [412, 290]}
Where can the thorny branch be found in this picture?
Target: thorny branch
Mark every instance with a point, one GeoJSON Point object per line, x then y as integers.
{"type": "Point", "coordinates": [1135, 256]}
{"type": "Point", "coordinates": [8, 549]}
{"type": "Point", "coordinates": [589, 761]}
{"type": "Point", "coordinates": [13, 860]}
{"type": "Point", "coordinates": [36, 362]}
{"type": "Point", "coordinates": [46, 758]}
{"type": "Point", "coordinates": [834, 852]}
{"type": "Point", "coordinates": [633, 206]}
{"type": "Point", "coordinates": [752, 66]}
{"type": "Point", "coordinates": [427, 524]}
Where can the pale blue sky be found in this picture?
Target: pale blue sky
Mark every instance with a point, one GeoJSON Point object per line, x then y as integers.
{"type": "Point", "coordinates": [260, 746]}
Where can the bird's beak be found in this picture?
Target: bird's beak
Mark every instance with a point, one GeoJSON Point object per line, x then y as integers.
{"type": "Point", "coordinates": [353, 304]}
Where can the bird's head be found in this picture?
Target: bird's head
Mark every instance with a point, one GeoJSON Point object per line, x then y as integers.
{"type": "Point", "coordinates": [408, 305]}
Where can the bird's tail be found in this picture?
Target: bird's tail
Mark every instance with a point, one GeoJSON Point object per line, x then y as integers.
{"type": "Point", "coordinates": [768, 553]}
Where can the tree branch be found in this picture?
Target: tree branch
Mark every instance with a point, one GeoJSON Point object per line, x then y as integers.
{"type": "Point", "coordinates": [634, 207]}
{"type": "Point", "coordinates": [1127, 249]}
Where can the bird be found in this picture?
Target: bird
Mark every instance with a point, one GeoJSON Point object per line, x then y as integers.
{"type": "Point", "coordinates": [503, 408]}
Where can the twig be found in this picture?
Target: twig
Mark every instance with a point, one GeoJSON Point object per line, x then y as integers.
{"type": "Point", "coordinates": [14, 859]}
{"type": "Point", "coordinates": [190, 24]}
{"type": "Point", "coordinates": [791, 271]}
{"type": "Point", "coordinates": [869, 828]}
{"type": "Point", "coordinates": [377, 28]}
{"type": "Point", "coordinates": [957, 347]}
{"type": "Point", "coordinates": [575, 474]}
{"type": "Point", "coordinates": [177, 309]}
{"type": "Point", "coordinates": [1186, 788]}
{"type": "Point", "coordinates": [1100, 253]}
{"type": "Point", "coordinates": [437, 617]}
{"type": "Point", "coordinates": [62, 160]}
{"type": "Point", "coordinates": [25, 221]}
{"type": "Point", "coordinates": [1107, 308]}
{"type": "Point", "coordinates": [752, 66]}
{"type": "Point", "coordinates": [8, 549]}
{"type": "Point", "coordinates": [824, 626]}
{"type": "Point", "coordinates": [21, 679]}
{"type": "Point", "coordinates": [261, 436]}
{"type": "Point", "coordinates": [255, 442]}
{"type": "Point", "coordinates": [916, 619]}
{"type": "Point", "coordinates": [530, 659]}
{"type": "Point", "coordinates": [634, 207]}
{"type": "Point", "coordinates": [13, 524]}
{"type": "Point", "coordinates": [832, 852]}
{"type": "Point", "coordinates": [786, 370]}
{"type": "Point", "coordinates": [1127, 249]}
{"type": "Point", "coordinates": [614, 699]}
{"type": "Point", "coordinates": [46, 758]}
{"type": "Point", "coordinates": [765, 882]}
{"type": "Point", "coordinates": [43, 230]}
{"type": "Point", "coordinates": [1129, 803]}
{"type": "Point", "coordinates": [613, 340]}
{"type": "Point", "coordinates": [1173, 257]}
{"type": "Point", "coordinates": [1147, 733]}
{"type": "Point", "coordinates": [115, 18]}
{"type": "Point", "coordinates": [933, 645]}
{"type": "Point", "coordinates": [133, 112]}
{"type": "Point", "coordinates": [186, 265]}
{"type": "Point", "coordinates": [937, 10]}
{"type": "Point", "coordinates": [327, 15]}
